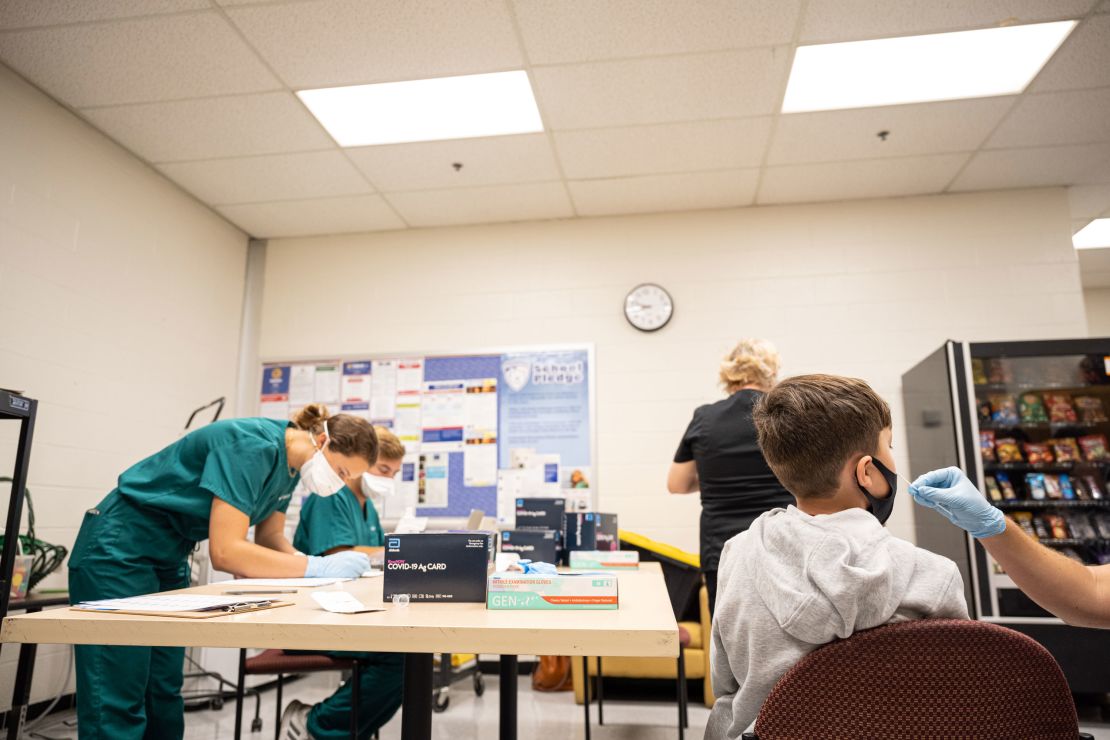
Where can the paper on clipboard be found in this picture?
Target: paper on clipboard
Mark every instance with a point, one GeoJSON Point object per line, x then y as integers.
{"type": "Point", "coordinates": [194, 606]}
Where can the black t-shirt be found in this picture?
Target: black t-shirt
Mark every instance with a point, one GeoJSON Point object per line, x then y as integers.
{"type": "Point", "coordinates": [736, 483]}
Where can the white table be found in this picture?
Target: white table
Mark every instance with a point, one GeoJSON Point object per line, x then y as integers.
{"type": "Point", "coordinates": [644, 625]}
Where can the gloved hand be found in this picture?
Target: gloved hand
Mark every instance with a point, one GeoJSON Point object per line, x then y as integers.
{"type": "Point", "coordinates": [346, 564]}
{"type": "Point", "coordinates": [950, 492]}
{"type": "Point", "coordinates": [539, 569]}
{"type": "Point", "coordinates": [527, 566]}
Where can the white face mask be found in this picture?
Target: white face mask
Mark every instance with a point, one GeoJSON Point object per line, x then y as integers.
{"type": "Point", "coordinates": [377, 485]}
{"type": "Point", "coordinates": [317, 474]}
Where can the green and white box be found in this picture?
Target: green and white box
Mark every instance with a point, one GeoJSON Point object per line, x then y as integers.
{"type": "Point", "coordinates": [562, 591]}
{"type": "Point", "coordinates": [604, 559]}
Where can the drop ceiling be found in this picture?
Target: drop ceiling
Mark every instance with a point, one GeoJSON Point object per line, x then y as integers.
{"type": "Point", "coordinates": [648, 105]}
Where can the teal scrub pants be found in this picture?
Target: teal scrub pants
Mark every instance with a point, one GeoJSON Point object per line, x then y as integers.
{"type": "Point", "coordinates": [380, 687]}
{"type": "Point", "coordinates": [125, 692]}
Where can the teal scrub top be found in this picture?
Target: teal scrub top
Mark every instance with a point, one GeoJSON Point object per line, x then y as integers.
{"type": "Point", "coordinates": [337, 521]}
{"type": "Point", "coordinates": [241, 461]}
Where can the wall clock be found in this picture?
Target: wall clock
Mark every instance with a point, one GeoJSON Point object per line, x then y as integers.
{"type": "Point", "coordinates": [648, 307]}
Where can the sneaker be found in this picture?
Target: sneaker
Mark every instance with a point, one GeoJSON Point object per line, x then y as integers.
{"type": "Point", "coordinates": [294, 721]}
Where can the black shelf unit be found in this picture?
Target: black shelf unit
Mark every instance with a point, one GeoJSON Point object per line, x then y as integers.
{"type": "Point", "coordinates": [16, 407]}
{"type": "Point", "coordinates": [942, 400]}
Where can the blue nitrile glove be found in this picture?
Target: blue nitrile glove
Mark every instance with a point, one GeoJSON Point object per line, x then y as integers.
{"type": "Point", "coordinates": [346, 564]}
{"type": "Point", "coordinates": [539, 569]}
{"type": "Point", "coordinates": [950, 492]}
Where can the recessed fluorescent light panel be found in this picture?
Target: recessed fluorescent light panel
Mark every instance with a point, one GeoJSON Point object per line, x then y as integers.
{"type": "Point", "coordinates": [427, 110]}
{"type": "Point", "coordinates": [918, 69]}
{"type": "Point", "coordinates": [1094, 235]}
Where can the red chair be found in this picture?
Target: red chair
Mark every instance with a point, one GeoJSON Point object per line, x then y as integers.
{"type": "Point", "coordinates": [282, 664]}
{"type": "Point", "coordinates": [932, 678]}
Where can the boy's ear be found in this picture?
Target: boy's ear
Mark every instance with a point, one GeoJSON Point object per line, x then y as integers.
{"type": "Point", "coordinates": [859, 471]}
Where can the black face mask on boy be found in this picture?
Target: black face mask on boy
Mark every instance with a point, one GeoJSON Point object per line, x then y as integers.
{"type": "Point", "coordinates": [881, 507]}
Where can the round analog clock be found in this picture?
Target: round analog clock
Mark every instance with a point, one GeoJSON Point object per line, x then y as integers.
{"type": "Point", "coordinates": [648, 307]}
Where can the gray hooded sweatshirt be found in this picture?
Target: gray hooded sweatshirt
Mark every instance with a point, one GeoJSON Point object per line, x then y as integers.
{"type": "Point", "coordinates": [793, 582]}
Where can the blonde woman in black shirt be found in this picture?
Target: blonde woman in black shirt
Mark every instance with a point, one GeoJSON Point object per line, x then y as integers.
{"type": "Point", "coordinates": [720, 457]}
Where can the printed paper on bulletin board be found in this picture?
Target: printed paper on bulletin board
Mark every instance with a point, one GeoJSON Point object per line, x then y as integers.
{"type": "Point", "coordinates": [470, 409]}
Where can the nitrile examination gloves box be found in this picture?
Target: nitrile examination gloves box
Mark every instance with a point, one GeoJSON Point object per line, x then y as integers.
{"type": "Point", "coordinates": [438, 566]}
{"type": "Point", "coordinates": [605, 559]}
{"type": "Point", "coordinates": [558, 592]}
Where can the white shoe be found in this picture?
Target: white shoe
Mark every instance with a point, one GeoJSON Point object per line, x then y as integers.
{"type": "Point", "coordinates": [294, 721]}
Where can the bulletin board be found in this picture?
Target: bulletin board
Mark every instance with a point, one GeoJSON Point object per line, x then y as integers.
{"type": "Point", "coordinates": [463, 417]}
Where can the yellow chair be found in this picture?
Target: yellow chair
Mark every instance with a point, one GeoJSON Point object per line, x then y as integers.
{"type": "Point", "coordinates": [696, 660]}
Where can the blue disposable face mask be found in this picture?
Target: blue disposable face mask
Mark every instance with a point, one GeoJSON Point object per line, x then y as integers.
{"type": "Point", "coordinates": [881, 508]}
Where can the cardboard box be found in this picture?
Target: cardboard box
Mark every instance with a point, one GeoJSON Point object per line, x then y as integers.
{"type": "Point", "coordinates": [540, 545]}
{"type": "Point", "coordinates": [558, 592]}
{"type": "Point", "coordinates": [605, 559]}
{"type": "Point", "coordinates": [438, 566]}
{"type": "Point", "coordinates": [608, 534]}
{"type": "Point", "coordinates": [540, 513]}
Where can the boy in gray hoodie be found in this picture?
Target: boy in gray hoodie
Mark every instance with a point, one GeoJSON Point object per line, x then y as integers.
{"type": "Point", "coordinates": [808, 574]}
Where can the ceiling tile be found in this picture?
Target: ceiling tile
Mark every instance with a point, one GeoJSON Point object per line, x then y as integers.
{"type": "Point", "coordinates": [1031, 167]}
{"type": "Point", "coordinates": [269, 123]}
{"type": "Point", "coordinates": [1075, 117]}
{"type": "Point", "coordinates": [659, 193]}
{"type": "Point", "coordinates": [28, 13]}
{"type": "Point", "coordinates": [852, 20]}
{"type": "Point", "coordinates": [1088, 201]}
{"type": "Point", "coordinates": [875, 178]}
{"type": "Point", "coordinates": [1083, 60]}
{"type": "Point", "coordinates": [312, 217]}
{"type": "Point", "coordinates": [561, 31]}
{"type": "Point", "coordinates": [929, 128]}
{"type": "Point", "coordinates": [348, 42]}
{"type": "Point", "coordinates": [427, 165]}
{"type": "Point", "coordinates": [1104, 7]}
{"type": "Point", "coordinates": [671, 147]}
{"type": "Point", "coordinates": [1094, 267]}
{"type": "Point", "coordinates": [137, 60]}
{"type": "Point", "coordinates": [269, 177]}
{"type": "Point", "coordinates": [533, 202]}
{"type": "Point", "coordinates": [733, 84]}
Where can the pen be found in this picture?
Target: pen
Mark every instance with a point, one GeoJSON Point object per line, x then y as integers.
{"type": "Point", "coordinates": [265, 593]}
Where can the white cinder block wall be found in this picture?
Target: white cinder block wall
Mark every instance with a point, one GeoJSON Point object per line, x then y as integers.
{"type": "Point", "coordinates": [863, 288]}
{"type": "Point", "coordinates": [1098, 311]}
{"type": "Point", "coordinates": [120, 304]}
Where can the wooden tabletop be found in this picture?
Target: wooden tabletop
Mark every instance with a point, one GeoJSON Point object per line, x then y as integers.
{"type": "Point", "coordinates": [644, 625]}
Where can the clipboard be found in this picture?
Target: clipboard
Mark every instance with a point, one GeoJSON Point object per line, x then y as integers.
{"type": "Point", "coordinates": [235, 609]}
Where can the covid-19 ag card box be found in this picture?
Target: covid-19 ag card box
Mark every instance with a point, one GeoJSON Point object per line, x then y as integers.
{"type": "Point", "coordinates": [541, 545]}
{"type": "Point", "coordinates": [581, 531]}
{"type": "Point", "coordinates": [607, 535]}
{"type": "Point", "coordinates": [438, 566]}
{"type": "Point", "coordinates": [605, 559]}
{"type": "Point", "coordinates": [540, 513]}
{"type": "Point", "coordinates": [558, 592]}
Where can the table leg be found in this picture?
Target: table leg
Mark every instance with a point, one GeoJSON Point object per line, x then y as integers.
{"type": "Point", "coordinates": [416, 709]}
{"type": "Point", "coordinates": [508, 697]}
{"type": "Point", "coordinates": [586, 692]}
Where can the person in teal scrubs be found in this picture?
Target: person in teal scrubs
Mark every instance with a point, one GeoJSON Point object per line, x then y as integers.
{"type": "Point", "coordinates": [214, 484]}
{"type": "Point", "coordinates": [344, 522]}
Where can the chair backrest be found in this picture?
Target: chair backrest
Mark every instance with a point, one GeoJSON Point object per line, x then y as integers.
{"type": "Point", "coordinates": [925, 678]}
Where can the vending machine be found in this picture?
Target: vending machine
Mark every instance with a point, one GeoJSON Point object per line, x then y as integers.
{"type": "Point", "coordinates": [1028, 422]}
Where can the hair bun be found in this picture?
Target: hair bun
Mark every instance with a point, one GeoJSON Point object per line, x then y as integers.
{"type": "Point", "coordinates": [311, 417]}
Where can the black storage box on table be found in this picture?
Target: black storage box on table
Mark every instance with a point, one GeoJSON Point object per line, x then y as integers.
{"type": "Point", "coordinates": [540, 545]}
